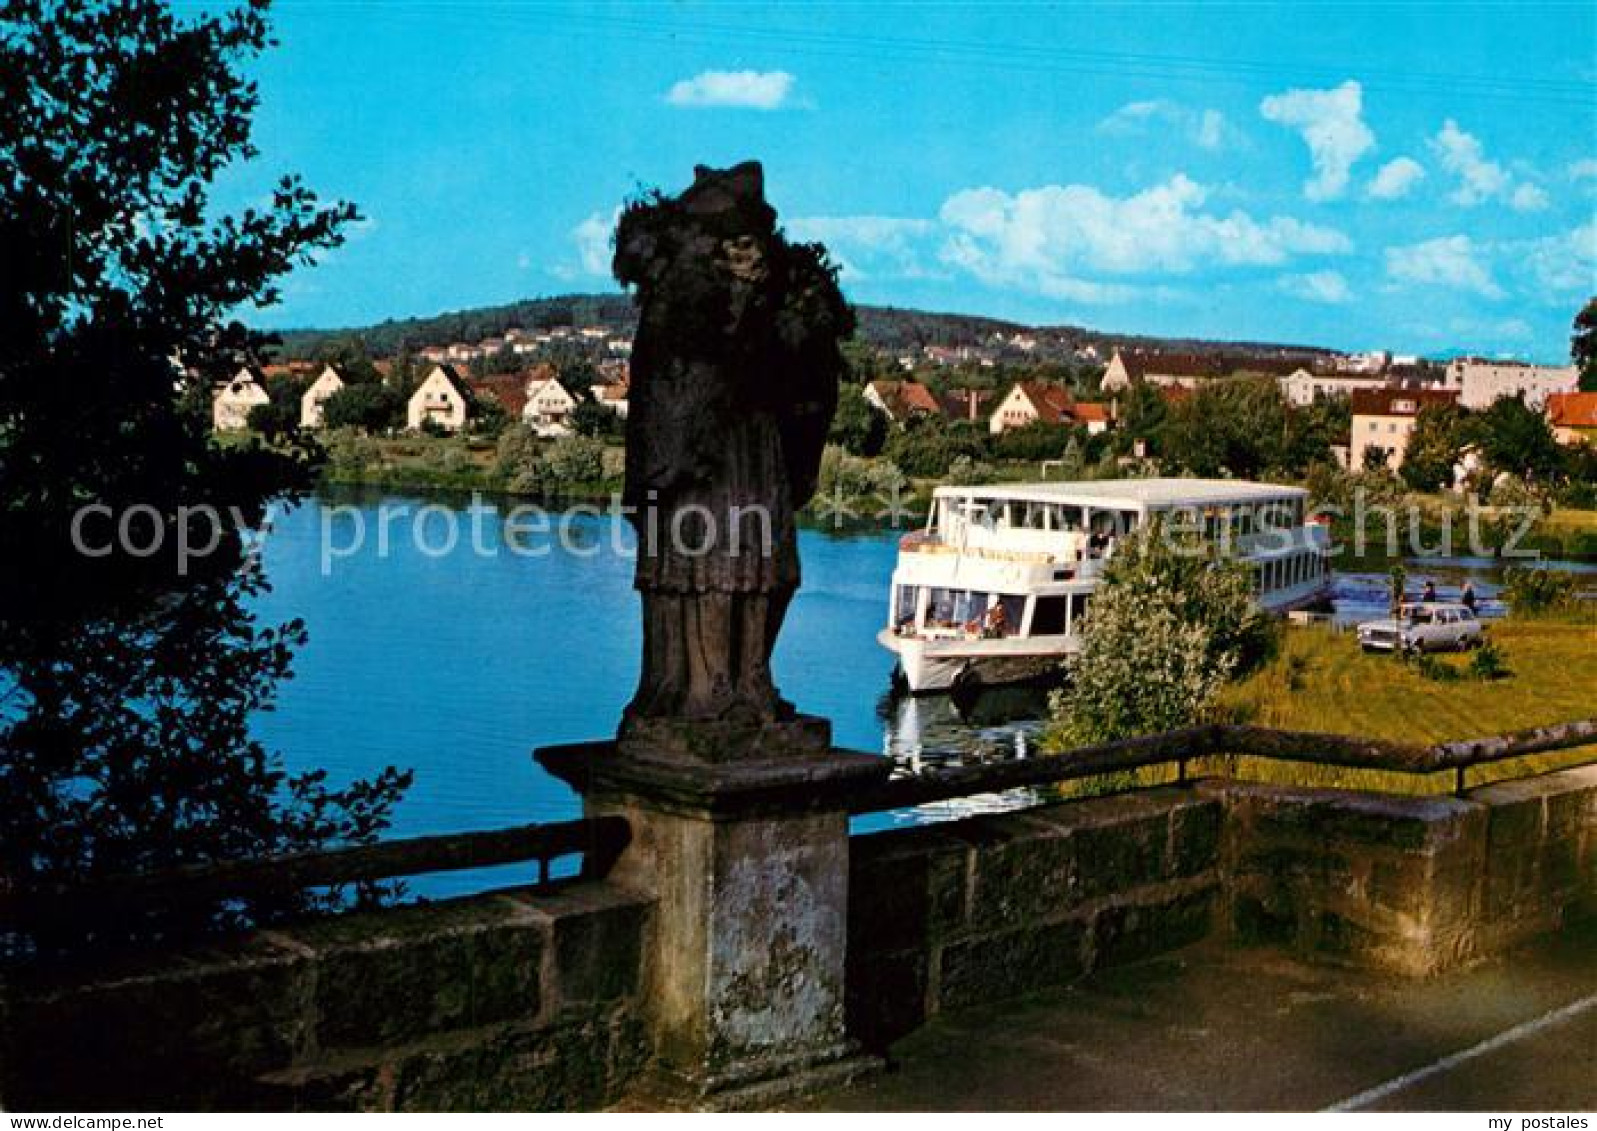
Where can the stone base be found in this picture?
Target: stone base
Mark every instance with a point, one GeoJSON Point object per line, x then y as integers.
{"type": "Point", "coordinates": [791, 780]}
{"type": "Point", "coordinates": [746, 861]}
{"type": "Point", "coordinates": [723, 742]}
{"type": "Point", "coordinates": [662, 1090]}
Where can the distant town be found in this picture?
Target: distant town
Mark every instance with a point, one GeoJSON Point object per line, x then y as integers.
{"type": "Point", "coordinates": [558, 378]}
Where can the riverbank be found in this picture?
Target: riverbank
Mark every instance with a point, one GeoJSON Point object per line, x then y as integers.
{"type": "Point", "coordinates": [870, 494]}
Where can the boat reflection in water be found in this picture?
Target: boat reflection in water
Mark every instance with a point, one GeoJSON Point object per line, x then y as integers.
{"type": "Point", "coordinates": [924, 735]}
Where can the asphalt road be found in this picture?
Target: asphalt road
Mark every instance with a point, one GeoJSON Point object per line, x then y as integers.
{"type": "Point", "coordinates": [1220, 1028]}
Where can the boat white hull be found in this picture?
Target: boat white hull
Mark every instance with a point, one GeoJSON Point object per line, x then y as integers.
{"type": "Point", "coordinates": [933, 665]}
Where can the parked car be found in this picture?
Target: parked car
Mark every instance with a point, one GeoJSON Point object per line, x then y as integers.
{"type": "Point", "coordinates": [1432, 626]}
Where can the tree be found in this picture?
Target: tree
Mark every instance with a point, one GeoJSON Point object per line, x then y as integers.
{"type": "Point", "coordinates": [1517, 439]}
{"type": "Point", "coordinates": [1235, 426]}
{"type": "Point", "coordinates": [1583, 346]}
{"type": "Point", "coordinates": [1168, 625]}
{"type": "Point", "coordinates": [1037, 440]}
{"type": "Point", "coordinates": [274, 420]}
{"type": "Point", "coordinates": [856, 425]}
{"type": "Point", "coordinates": [590, 418]}
{"type": "Point", "coordinates": [1441, 431]}
{"type": "Point", "coordinates": [572, 461]}
{"type": "Point", "coordinates": [369, 408]}
{"type": "Point", "coordinates": [928, 447]}
{"type": "Point", "coordinates": [516, 459]}
{"type": "Point", "coordinates": [130, 678]}
{"type": "Point", "coordinates": [1313, 430]}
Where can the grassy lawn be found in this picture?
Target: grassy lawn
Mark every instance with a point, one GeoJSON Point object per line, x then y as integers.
{"type": "Point", "coordinates": [1565, 521]}
{"type": "Point", "coordinates": [1321, 681]}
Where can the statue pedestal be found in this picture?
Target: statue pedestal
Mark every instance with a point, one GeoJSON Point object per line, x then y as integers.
{"type": "Point", "coordinates": [748, 863]}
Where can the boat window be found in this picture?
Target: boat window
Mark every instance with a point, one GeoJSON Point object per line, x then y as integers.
{"type": "Point", "coordinates": [1048, 616]}
{"type": "Point", "coordinates": [1008, 623]}
{"type": "Point", "coordinates": [1082, 601]}
{"type": "Point", "coordinates": [904, 605]}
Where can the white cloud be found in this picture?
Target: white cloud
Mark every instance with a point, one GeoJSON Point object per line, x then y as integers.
{"type": "Point", "coordinates": [1207, 129]}
{"type": "Point", "coordinates": [1396, 178]}
{"type": "Point", "coordinates": [1583, 170]}
{"type": "Point", "coordinates": [1560, 266]}
{"type": "Point", "coordinates": [748, 90]}
{"type": "Point", "coordinates": [1455, 262]}
{"type": "Point", "coordinates": [1318, 286]}
{"type": "Point", "coordinates": [1332, 126]}
{"type": "Point", "coordinates": [868, 246]}
{"type": "Point", "coordinates": [1528, 198]}
{"type": "Point", "coordinates": [592, 238]}
{"type": "Point", "coordinates": [1481, 180]}
{"type": "Point", "coordinates": [1049, 239]}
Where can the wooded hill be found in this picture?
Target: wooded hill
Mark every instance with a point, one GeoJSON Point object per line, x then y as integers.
{"type": "Point", "coordinates": [891, 329]}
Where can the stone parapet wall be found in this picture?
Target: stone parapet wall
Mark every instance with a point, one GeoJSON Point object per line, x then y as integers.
{"type": "Point", "coordinates": [507, 1001]}
{"type": "Point", "coordinates": [954, 914]}
{"type": "Point", "coordinates": [1412, 885]}
{"type": "Point", "coordinates": [516, 1001]}
{"type": "Point", "coordinates": [989, 907]}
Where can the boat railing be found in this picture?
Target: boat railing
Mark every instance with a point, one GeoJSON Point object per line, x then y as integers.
{"type": "Point", "coordinates": [1179, 748]}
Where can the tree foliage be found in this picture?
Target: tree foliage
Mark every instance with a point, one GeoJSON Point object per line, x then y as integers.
{"type": "Point", "coordinates": [1517, 439]}
{"type": "Point", "coordinates": [1168, 625]}
{"type": "Point", "coordinates": [126, 680]}
{"type": "Point", "coordinates": [856, 425]}
{"type": "Point", "coordinates": [1441, 432]}
{"type": "Point", "coordinates": [369, 407]}
{"type": "Point", "coordinates": [1583, 345]}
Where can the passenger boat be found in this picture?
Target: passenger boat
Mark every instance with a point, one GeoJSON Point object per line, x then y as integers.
{"type": "Point", "coordinates": [995, 586]}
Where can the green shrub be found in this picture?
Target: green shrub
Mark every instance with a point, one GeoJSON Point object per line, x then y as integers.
{"type": "Point", "coordinates": [1535, 589]}
{"type": "Point", "coordinates": [1488, 663]}
{"type": "Point", "coordinates": [1437, 671]}
{"type": "Point", "coordinates": [1167, 627]}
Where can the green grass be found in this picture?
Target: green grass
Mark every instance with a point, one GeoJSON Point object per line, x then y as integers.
{"type": "Point", "coordinates": [1321, 681]}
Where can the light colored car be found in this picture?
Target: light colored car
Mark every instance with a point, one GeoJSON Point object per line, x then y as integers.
{"type": "Point", "coordinates": [1432, 626]}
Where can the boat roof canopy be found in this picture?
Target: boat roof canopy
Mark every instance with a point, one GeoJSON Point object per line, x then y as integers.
{"type": "Point", "coordinates": [1130, 494]}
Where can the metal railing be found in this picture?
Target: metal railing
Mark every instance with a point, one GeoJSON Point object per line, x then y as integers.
{"type": "Point", "coordinates": [1180, 747]}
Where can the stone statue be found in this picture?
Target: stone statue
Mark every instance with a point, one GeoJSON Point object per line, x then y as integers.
{"type": "Point", "coordinates": [734, 381]}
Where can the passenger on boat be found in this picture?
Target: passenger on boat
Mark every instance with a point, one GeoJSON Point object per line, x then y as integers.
{"type": "Point", "coordinates": [997, 621]}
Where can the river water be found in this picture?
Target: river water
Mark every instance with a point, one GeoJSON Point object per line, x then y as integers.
{"type": "Point", "coordinates": [458, 662]}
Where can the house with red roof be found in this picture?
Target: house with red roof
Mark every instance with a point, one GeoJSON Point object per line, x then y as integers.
{"type": "Point", "coordinates": [901, 400]}
{"type": "Point", "coordinates": [1030, 401]}
{"type": "Point", "coordinates": [1573, 417]}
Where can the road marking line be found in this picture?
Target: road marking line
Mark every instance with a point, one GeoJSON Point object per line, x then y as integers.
{"type": "Point", "coordinates": [1491, 1044]}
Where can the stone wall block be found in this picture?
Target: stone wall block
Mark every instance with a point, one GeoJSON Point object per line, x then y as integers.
{"type": "Point", "coordinates": [397, 975]}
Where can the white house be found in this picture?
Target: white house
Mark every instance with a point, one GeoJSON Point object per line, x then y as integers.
{"type": "Point", "coordinates": [311, 401]}
{"type": "Point", "coordinates": [231, 404]}
{"type": "Point", "coordinates": [1479, 382]}
{"type": "Point", "coordinates": [548, 405]}
{"type": "Point", "coordinates": [1028, 402]}
{"type": "Point", "coordinates": [1383, 420]}
{"type": "Point", "coordinates": [442, 398]}
{"type": "Point", "coordinates": [1301, 387]}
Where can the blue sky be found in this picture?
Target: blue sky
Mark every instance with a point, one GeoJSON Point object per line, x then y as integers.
{"type": "Point", "coordinates": [1416, 177]}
